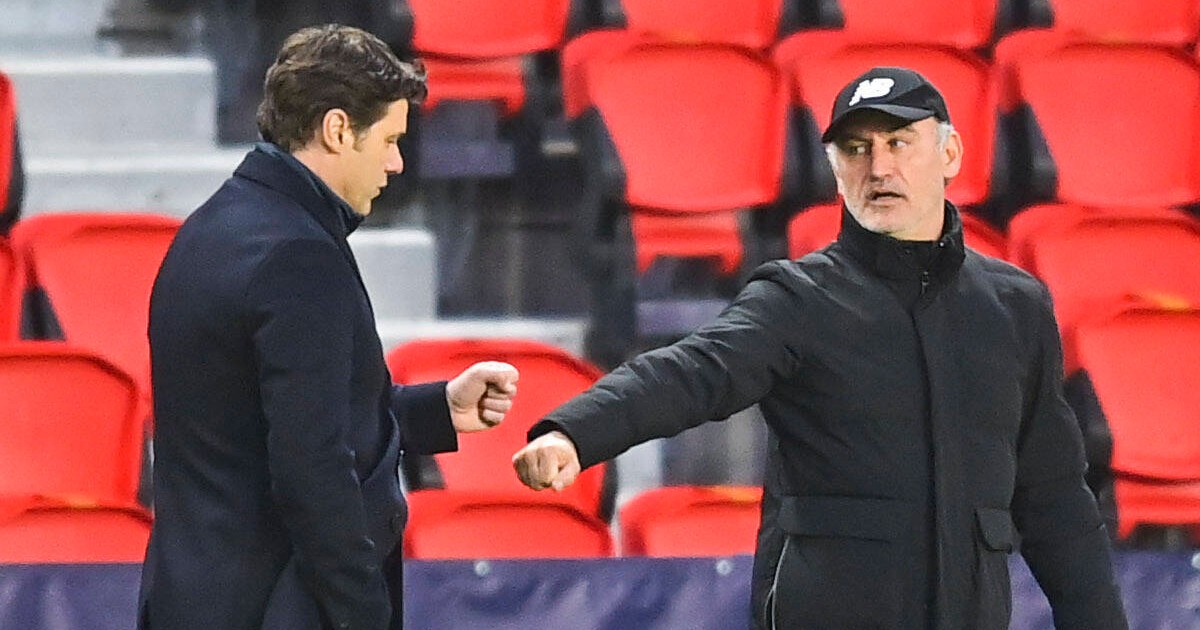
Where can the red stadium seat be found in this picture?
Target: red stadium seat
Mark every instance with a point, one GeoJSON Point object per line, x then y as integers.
{"type": "Point", "coordinates": [754, 24]}
{"type": "Point", "coordinates": [691, 521]}
{"type": "Point", "coordinates": [473, 47]}
{"type": "Point", "coordinates": [12, 284]}
{"type": "Point", "coordinates": [1092, 155]}
{"type": "Point", "coordinates": [1027, 224]}
{"type": "Point", "coordinates": [448, 524]}
{"type": "Point", "coordinates": [499, 81]}
{"type": "Point", "coordinates": [487, 29]}
{"type": "Point", "coordinates": [549, 376]}
{"type": "Point", "coordinates": [580, 54]}
{"type": "Point", "coordinates": [658, 134]}
{"type": "Point", "coordinates": [819, 63]}
{"type": "Point", "coordinates": [1099, 258]}
{"type": "Point", "coordinates": [673, 129]}
{"type": "Point", "coordinates": [72, 425]}
{"type": "Point", "coordinates": [1169, 22]}
{"type": "Point", "coordinates": [71, 531]}
{"type": "Point", "coordinates": [1157, 504]}
{"type": "Point", "coordinates": [12, 177]}
{"type": "Point", "coordinates": [1143, 364]}
{"type": "Point", "coordinates": [97, 271]}
{"type": "Point", "coordinates": [964, 24]}
{"type": "Point", "coordinates": [818, 226]}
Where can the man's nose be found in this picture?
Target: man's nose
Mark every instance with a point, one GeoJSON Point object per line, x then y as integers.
{"type": "Point", "coordinates": [395, 161]}
{"type": "Point", "coordinates": [883, 163]}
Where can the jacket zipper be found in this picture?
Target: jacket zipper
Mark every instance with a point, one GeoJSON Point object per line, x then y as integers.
{"type": "Point", "coordinates": [924, 282]}
{"type": "Point", "coordinates": [773, 602]}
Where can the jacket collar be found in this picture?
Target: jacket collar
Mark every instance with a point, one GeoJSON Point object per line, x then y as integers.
{"type": "Point", "coordinates": [271, 166]}
{"type": "Point", "coordinates": [887, 257]}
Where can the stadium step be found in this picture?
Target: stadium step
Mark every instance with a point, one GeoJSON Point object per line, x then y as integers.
{"type": "Point", "coordinates": [90, 103]}
{"type": "Point", "coordinates": [397, 266]}
{"type": "Point", "coordinates": [168, 182]}
{"type": "Point", "coordinates": [52, 18]}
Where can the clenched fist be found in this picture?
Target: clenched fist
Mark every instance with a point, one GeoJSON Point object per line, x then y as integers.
{"type": "Point", "coordinates": [480, 397]}
{"type": "Point", "coordinates": [549, 461]}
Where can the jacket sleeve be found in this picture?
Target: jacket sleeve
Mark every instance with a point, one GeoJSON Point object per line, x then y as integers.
{"type": "Point", "coordinates": [424, 418]}
{"type": "Point", "coordinates": [1063, 537]}
{"type": "Point", "coordinates": [302, 304]}
{"type": "Point", "coordinates": [721, 368]}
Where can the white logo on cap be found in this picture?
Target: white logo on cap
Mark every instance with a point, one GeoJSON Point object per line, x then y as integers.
{"type": "Point", "coordinates": [871, 88]}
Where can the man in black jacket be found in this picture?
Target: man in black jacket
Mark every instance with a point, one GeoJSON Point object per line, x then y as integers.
{"type": "Point", "coordinates": [913, 392]}
{"type": "Point", "coordinates": [278, 429]}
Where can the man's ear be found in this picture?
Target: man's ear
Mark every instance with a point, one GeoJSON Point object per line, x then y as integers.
{"type": "Point", "coordinates": [952, 155]}
{"type": "Point", "coordinates": [336, 134]}
{"type": "Point", "coordinates": [833, 165]}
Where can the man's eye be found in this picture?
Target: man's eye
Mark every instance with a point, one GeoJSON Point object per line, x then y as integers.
{"type": "Point", "coordinates": [897, 143]}
{"type": "Point", "coordinates": [856, 149]}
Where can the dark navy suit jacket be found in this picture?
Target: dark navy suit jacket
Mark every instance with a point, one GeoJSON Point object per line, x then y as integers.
{"type": "Point", "coordinates": [278, 429]}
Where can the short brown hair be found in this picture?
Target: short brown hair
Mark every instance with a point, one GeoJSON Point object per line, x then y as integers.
{"type": "Point", "coordinates": [328, 67]}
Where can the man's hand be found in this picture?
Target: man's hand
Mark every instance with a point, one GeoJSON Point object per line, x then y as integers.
{"type": "Point", "coordinates": [481, 396]}
{"type": "Point", "coordinates": [549, 461]}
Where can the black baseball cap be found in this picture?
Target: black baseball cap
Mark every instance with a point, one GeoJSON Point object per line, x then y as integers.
{"type": "Point", "coordinates": [900, 92]}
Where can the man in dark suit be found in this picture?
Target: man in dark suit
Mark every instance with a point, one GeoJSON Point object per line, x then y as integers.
{"type": "Point", "coordinates": [278, 430]}
{"type": "Point", "coordinates": [913, 391]}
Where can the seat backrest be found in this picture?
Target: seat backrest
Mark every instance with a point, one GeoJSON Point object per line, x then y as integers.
{"type": "Point", "coordinates": [752, 24]}
{"type": "Point", "coordinates": [1101, 258]}
{"type": "Point", "coordinates": [71, 424]}
{"type": "Point", "coordinates": [1170, 22]}
{"type": "Point", "coordinates": [818, 65]}
{"type": "Point", "coordinates": [818, 226]}
{"type": "Point", "coordinates": [12, 283]}
{"type": "Point", "coordinates": [97, 271]}
{"type": "Point", "coordinates": [1025, 227]}
{"type": "Point", "coordinates": [1099, 156]}
{"type": "Point", "coordinates": [963, 24]}
{"type": "Point", "coordinates": [486, 29]}
{"type": "Point", "coordinates": [1144, 365]}
{"type": "Point", "coordinates": [35, 530]}
{"type": "Point", "coordinates": [10, 159]}
{"type": "Point", "coordinates": [497, 81]}
{"type": "Point", "coordinates": [549, 376]}
{"type": "Point", "coordinates": [691, 521]}
{"type": "Point", "coordinates": [688, 141]}
{"type": "Point", "coordinates": [447, 524]}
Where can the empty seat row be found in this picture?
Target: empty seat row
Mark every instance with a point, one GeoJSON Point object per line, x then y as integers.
{"type": "Point", "coordinates": [705, 151]}
{"type": "Point", "coordinates": [1134, 392]}
{"type": "Point", "coordinates": [86, 279]}
{"type": "Point", "coordinates": [75, 437]}
{"type": "Point", "coordinates": [479, 29]}
{"type": "Point", "coordinates": [482, 51]}
{"type": "Point", "coordinates": [671, 521]}
{"type": "Point", "coordinates": [676, 521]}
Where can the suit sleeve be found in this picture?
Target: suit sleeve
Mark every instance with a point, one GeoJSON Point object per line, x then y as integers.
{"type": "Point", "coordinates": [716, 371]}
{"type": "Point", "coordinates": [302, 302]}
{"type": "Point", "coordinates": [424, 418]}
{"type": "Point", "coordinates": [1063, 537]}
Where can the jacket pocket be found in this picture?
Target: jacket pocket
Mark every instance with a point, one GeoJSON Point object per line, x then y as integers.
{"type": "Point", "coordinates": [993, 590]}
{"type": "Point", "coordinates": [383, 501]}
{"type": "Point", "coordinates": [840, 567]}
